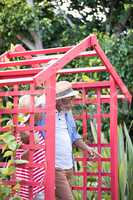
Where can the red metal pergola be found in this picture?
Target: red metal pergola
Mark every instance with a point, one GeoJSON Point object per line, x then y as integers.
{"type": "Point", "coordinates": [40, 77]}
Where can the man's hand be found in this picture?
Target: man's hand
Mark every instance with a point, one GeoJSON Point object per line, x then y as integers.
{"type": "Point", "coordinates": [83, 146]}
{"type": "Point", "coordinates": [93, 153]}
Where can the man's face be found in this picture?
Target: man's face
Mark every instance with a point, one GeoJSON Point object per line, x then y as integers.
{"type": "Point", "coordinates": [64, 104]}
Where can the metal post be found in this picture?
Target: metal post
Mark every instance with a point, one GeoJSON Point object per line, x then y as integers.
{"type": "Point", "coordinates": [50, 139]}
{"type": "Point", "coordinates": [113, 140]}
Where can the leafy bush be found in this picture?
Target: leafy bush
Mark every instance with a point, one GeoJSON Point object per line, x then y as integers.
{"type": "Point", "coordinates": [9, 146]}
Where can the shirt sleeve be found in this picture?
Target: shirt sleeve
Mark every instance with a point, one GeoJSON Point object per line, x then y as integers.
{"type": "Point", "coordinates": [41, 122]}
{"type": "Point", "coordinates": [72, 128]}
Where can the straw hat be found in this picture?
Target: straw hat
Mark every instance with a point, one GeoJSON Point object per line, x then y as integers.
{"type": "Point", "coordinates": [64, 90]}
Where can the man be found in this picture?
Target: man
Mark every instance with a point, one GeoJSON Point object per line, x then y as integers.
{"type": "Point", "coordinates": [66, 136]}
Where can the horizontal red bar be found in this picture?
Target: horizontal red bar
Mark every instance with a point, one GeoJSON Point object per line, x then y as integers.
{"type": "Point", "coordinates": [82, 70]}
{"type": "Point", "coordinates": [25, 166]}
{"type": "Point", "coordinates": [24, 62]}
{"type": "Point", "coordinates": [21, 93]}
{"type": "Point", "coordinates": [17, 110]}
{"type": "Point", "coordinates": [39, 52]}
{"type": "Point", "coordinates": [20, 72]}
{"type": "Point", "coordinates": [91, 174]}
{"type": "Point", "coordinates": [94, 160]}
{"type": "Point", "coordinates": [90, 101]}
{"type": "Point", "coordinates": [3, 56]}
{"type": "Point", "coordinates": [25, 128]}
{"type": "Point", "coordinates": [97, 115]}
{"type": "Point", "coordinates": [33, 146]}
{"type": "Point", "coordinates": [90, 188]}
{"type": "Point", "coordinates": [17, 80]}
{"type": "Point", "coordinates": [39, 60]}
{"type": "Point", "coordinates": [96, 84]}
{"type": "Point", "coordinates": [32, 71]}
{"type": "Point", "coordinates": [32, 165]}
{"type": "Point", "coordinates": [28, 183]}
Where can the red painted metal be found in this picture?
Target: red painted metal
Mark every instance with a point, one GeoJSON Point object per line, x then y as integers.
{"type": "Point", "coordinates": [42, 59]}
{"type": "Point", "coordinates": [20, 48]}
{"type": "Point", "coordinates": [50, 138]}
{"type": "Point", "coordinates": [51, 56]}
{"type": "Point", "coordinates": [114, 139]}
{"type": "Point", "coordinates": [82, 70]}
{"type": "Point", "coordinates": [26, 81]}
{"type": "Point", "coordinates": [39, 52]}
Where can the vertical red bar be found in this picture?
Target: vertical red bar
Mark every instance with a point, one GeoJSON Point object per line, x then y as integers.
{"type": "Point", "coordinates": [31, 139]}
{"type": "Point", "coordinates": [84, 122]}
{"type": "Point", "coordinates": [50, 138]}
{"type": "Point", "coordinates": [15, 118]}
{"type": "Point", "coordinates": [99, 144]}
{"type": "Point", "coordinates": [113, 140]}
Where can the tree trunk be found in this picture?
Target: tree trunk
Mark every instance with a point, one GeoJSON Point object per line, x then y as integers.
{"type": "Point", "coordinates": [36, 36]}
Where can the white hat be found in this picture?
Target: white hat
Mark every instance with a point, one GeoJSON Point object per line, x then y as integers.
{"type": "Point", "coordinates": [64, 90]}
{"type": "Point", "coordinates": [25, 101]}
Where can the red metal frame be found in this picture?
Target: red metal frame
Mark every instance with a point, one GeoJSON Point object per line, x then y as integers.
{"type": "Point", "coordinates": [37, 75]}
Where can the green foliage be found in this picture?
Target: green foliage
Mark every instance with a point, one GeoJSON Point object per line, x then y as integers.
{"type": "Point", "coordinates": [4, 192]}
{"type": "Point", "coordinates": [19, 20]}
{"type": "Point", "coordinates": [129, 155]}
{"type": "Point", "coordinates": [122, 164]}
{"type": "Point", "coordinates": [119, 51]}
{"type": "Point", "coordinates": [125, 164]}
{"type": "Point", "coordinates": [9, 147]}
{"type": "Point", "coordinates": [103, 15]}
{"type": "Point", "coordinates": [23, 22]}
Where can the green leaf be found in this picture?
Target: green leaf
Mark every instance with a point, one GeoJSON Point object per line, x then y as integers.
{"type": "Point", "coordinates": [12, 146]}
{"type": "Point", "coordinates": [8, 153]}
{"type": "Point", "coordinates": [8, 138]}
{"type": "Point", "coordinates": [4, 191]}
{"type": "Point", "coordinates": [122, 172]}
{"type": "Point", "coordinates": [4, 147]}
{"type": "Point", "coordinates": [9, 105]}
{"type": "Point", "coordinates": [21, 161]}
{"type": "Point", "coordinates": [8, 170]}
{"type": "Point", "coordinates": [16, 198]}
{"type": "Point", "coordinates": [87, 79]}
{"type": "Point", "coordinates": [10, 162]}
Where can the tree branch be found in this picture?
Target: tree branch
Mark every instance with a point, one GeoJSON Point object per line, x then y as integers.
{"type": "Point", "coordinates": [25, 41]}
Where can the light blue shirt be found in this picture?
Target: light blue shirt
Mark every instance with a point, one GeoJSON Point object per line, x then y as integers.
{"type": "Point", "coordinates": [70, 125]}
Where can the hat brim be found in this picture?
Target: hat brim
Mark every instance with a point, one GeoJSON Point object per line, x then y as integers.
{"type": "Point", "coordinates": [70, 94]}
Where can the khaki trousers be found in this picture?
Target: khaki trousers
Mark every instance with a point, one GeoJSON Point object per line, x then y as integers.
{"type": "Point", "coordinates": [62, 183]}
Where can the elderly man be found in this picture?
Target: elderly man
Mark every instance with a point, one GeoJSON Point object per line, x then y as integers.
{"type": "Point", "coordinates": [66, 136]}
